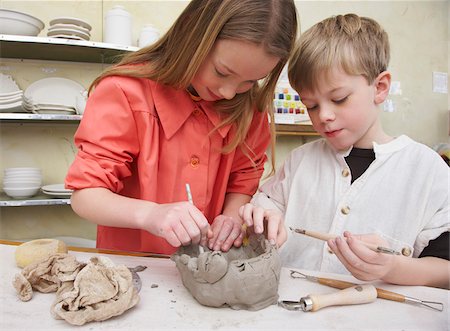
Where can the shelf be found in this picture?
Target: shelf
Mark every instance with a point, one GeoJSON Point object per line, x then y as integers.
{"type": "Point", "coordinates": [58, 49]}
{"type": "Point", "coordinates": [32, 118]}
{"type": "Point", "coordinates": [301, 129]}
{"type": "Point", "coordinates": [38, 200]}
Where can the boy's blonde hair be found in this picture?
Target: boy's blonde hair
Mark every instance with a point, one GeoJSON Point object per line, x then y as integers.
{"type": "Point", "coordinates": [357, 45]}
{"type": "Point", "coordinates": [175, 58]}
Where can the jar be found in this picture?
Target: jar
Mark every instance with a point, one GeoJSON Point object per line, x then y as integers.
{"type": "Point", "coordinates": [118, 26]}
{"type": "Point", "coordinates": [149, 34]}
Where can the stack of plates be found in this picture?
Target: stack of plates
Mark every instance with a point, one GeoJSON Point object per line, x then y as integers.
{"type": "Point", "coordinates": [19, 183]}
{"type": "Point", "coordinates": [69, 28]}
{"type": "Point", "coordinates": [57, 191]}
{"type": "Point", "coordinates": [53, 95]}
{"type": "Point", "coordinates": [10, 95]}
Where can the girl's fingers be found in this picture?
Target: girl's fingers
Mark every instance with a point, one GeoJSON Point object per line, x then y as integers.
{"type": "Point", "coordinates": [172, 239]}
{"type": "Point", "coordinates": [182, 234]}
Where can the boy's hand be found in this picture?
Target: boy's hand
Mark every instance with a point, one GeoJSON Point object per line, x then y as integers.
{"type": "Point", "coordinates": [362, 262]}
{"type": "Point", "coordinates": [257, 217]}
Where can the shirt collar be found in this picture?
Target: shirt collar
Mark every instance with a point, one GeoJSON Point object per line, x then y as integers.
{"type": "Point", "coordinates": [379, 149]}
{"type": "Point", "coordinates": [392, 146]}
{"type": "Point", "coordinates": [174, 107]}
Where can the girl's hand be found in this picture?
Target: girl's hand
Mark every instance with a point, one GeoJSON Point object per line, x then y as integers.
{"type": "Point", "coordinates": [257, 217]}
{"type": "Point", "coordinates": [180, 223]}
{"type": "Point", "coordinates": [362, 262]}
{"type": "Point", "coordinates": [225, 232]}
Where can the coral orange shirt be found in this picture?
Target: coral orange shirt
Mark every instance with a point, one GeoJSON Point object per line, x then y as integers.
{"type": "Point", "coordinates": [145, 140]}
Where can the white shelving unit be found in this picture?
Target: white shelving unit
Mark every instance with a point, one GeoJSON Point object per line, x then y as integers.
{"type": "Point", "coordinates": [52, 49]}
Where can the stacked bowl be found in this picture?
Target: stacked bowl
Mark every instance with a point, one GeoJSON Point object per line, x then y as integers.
{"type": "Point", "coordinates": [20, 183]}
{"type": "Point", "coordinates": [18, 23]}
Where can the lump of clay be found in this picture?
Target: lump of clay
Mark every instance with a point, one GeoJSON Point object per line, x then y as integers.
{"type": "Point", "coordinates": [38, 250]}
{"type": "Point", "coordinates": [242, 278]}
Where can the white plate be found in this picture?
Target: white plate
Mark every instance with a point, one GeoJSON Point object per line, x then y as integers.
{"type": "Point", "coordinates": [10, 100]}
{"type": "Point", "coordinates": [53, 107]}
{"type": "Point", "coordinates": [54, 90]}
{"type": "Point", "coordinates": [11, 94]}
{"type": "Point", "coordinates": [64, 36]}
{"type": "Point", "coordinates": [11, 105]}
{"type": "Point", "coordinates": [8, 85]}
{"type": "Point", "coordinates": [58, 195]}
{"type": "Point", "coordinates": [56, 188]}
{"type": "Point", "coordinates": [69, 26]}
{"type": "Point", "coordinates": [50, 111]}
{"type": "Point", "coordinates": [68, 32]}
{"type": "Point", "coordinates": [71, 20]}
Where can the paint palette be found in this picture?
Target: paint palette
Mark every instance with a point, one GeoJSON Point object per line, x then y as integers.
{"type": "Point", "coordinates": [288, 107]}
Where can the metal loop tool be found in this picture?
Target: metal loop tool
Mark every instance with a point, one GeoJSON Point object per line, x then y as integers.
{"type": "Point", "coordinates": [383, 294]}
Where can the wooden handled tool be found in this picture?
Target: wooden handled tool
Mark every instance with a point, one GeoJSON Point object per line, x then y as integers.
{"type": "Point", "coordinates": [350, 296]}
{"type": "Point", "coordinates": [327, 236]}
{"type": "Point", "coordinates": [382, 294]}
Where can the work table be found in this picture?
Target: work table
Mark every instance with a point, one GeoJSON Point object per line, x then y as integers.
{"type": "Point", "coordinates": [166, 304]}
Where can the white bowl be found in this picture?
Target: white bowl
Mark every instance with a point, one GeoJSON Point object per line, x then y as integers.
{"type": "Point", "coordinates": [14, 171]}
{"type": "Point", "coordinates": [21, 184]}
{"type": "Point", "coordinates": [23, 176]}
{"type": "Point", "coordinates": [18, 23]}
{"type": "Point", "coordinates": [20, 193]}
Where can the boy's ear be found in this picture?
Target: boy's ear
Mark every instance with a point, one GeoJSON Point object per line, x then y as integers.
{"type": "Point", "coordinates": [382, 86]}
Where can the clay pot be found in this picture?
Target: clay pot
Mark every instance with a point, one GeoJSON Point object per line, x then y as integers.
{"type": "Point", "coordinates": [242, 278]}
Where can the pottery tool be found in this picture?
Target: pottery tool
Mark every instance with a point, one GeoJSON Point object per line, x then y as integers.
{"type": "Point", "coordinates": [327, 236]}
{"type": "Point", "coordinates": [245, 241]}
{"type": "Point", "coordinates": [354, 295]}
{"type": "Point", "coordinates": [189, 196]}
{"type": "Point", "coordinates": [382, 294]}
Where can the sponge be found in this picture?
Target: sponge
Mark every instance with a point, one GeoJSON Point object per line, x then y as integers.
{"type": "Point", "coordinates": [38, 250]}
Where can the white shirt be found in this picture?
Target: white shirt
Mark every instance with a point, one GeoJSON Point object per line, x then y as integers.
{"type": "Point", "coordinates": [403, 196]}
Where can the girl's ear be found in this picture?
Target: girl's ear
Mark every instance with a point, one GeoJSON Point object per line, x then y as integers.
{"type": "Point", "coordinates": [382, 86]}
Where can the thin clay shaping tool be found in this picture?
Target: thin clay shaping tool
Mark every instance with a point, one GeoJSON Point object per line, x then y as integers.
{"type": "Point", "coordinates": [189, 196]}
{"type": "Point", "coordinates": [327, 236]}
{"type": "Point", "coordinates": [381, 293]}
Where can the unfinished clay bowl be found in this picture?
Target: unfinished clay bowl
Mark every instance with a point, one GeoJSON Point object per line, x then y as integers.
{"type": "Point", "coordinates": [242, 278]}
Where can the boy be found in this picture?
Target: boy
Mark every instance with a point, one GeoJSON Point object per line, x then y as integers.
{"type": "Point", "coordinates": [358, 179]}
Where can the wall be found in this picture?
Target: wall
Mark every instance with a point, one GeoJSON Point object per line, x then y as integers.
{"type": "Point", "coordinates": [418, 32]}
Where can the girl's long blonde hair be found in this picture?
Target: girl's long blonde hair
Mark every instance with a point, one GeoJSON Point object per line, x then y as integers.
{"type": "Point", "coordinates": [175, 58]}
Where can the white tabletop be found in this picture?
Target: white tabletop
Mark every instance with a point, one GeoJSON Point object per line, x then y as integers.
{"type": "Point", "coordinates": [170, 306]}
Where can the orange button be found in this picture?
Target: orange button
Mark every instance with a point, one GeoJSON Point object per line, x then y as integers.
{"type": "Point", "coordinates": [196, 112]}
{"type": "Point", "coordinates": [195, 161]}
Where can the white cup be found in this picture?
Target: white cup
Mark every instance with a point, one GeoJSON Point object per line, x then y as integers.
{"type": "Point", "coordinates": [149, 34]}
{"type": "Point", "coordinates": [118, 27]}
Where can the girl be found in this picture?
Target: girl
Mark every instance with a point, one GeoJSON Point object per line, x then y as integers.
{"type": "Point", "coordinates": [191, 108]}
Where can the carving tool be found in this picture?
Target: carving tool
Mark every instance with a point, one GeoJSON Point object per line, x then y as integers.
{"type": "Point", "coordinates": [382, 294]}
{"type": "Point", "coordinates": [245, 241]}
{"type": "Point", "coordinates": [189, 196]}
{"type": "Point", "coordinates": [327, 236]}
{"type": "Point", "coordinates": [353, 295]}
